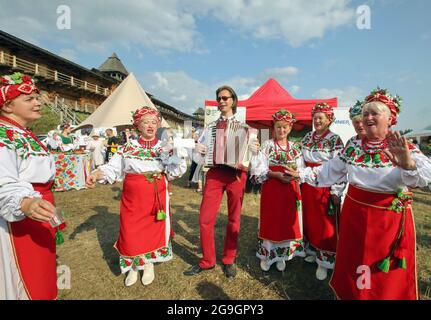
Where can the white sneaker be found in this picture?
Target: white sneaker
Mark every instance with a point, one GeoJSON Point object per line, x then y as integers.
{"type": "Point", "coordinates": [321, 273]}
{"type": "Point", "coordinates": [148, 275]}
{"type": "Point", "coordinates": [132, 277]}
{"type": "Point", "coordinates": [310, 259]}
{"type": "Point", "coordinates": [264, 265]}
{"type": "Point", "coordinates": [281, 265]}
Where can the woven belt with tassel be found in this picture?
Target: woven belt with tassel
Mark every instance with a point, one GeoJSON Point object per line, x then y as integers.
{"type": "Point", "coordinates": [152, 177]}
{"type": "Point", "coordinates": [399, 204]}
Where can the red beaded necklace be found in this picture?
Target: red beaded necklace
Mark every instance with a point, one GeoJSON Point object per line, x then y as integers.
{"type": "Point", "coordinates": [147, 144]}
{"type": "Point", "coordinates": [286, 149]}
{"type": "Point", "coordinates": [31, 134]}
{"type": "Point", "coordinates": [374, 147]}
{"type": "Point", "coordinates": [316, 138]}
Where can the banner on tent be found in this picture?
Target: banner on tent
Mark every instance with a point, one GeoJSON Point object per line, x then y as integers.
{"type": "Point", "coordinates": [343, 125]}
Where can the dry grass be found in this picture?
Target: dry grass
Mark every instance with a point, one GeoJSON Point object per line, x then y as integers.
{"type": "Point", "coordinates": [93, 225]}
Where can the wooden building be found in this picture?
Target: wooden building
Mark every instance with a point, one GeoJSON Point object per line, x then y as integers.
{"type": "Point", "coordinates": [69, 89]}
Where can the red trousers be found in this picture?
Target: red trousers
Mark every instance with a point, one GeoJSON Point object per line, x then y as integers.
{"type": "Point", "coordinates": [219, 180]}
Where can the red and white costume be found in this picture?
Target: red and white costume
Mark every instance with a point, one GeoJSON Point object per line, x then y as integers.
{"type": "Point", "coordinates": [27, 247]}
{"type": "Point", "coordinates": [146, 168]}
{"type": "Point", "coordinates": [280, 223]}
{"type": "Point", "coordinates": [374, 260]}
{"type": "Point", "coordinates": [319, 224]}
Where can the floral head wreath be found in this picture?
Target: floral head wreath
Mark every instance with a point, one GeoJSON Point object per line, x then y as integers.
{"type": "Point", "coordinates": [324, 108]}
{"type": "Point", "coordinates": [284, 115]}
{"type": "Point", "coordinates": [356, 110]}
{"type": "Point", "coordinates": [12, 86]}
{"type": "Point", "coordinates": [140, 113]}
{"type": "Point", "coordinates": [392, 102]}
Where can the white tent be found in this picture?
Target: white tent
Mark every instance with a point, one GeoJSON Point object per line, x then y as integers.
{"type": "Point", "coordinates": [117, 109]}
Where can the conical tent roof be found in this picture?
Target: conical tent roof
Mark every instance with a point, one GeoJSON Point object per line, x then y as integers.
{"type": "Point", "coordinates": [117, 109]}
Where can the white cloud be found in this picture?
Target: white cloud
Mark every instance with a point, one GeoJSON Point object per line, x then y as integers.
{"type": "Point", "coordinates": [187, 94]}
{"type": "Point", "coordinates": [296, 21]}
{"type": "Point", "coordinates": [171, 25]}
{"type": "Point", "coordinates": [346, 96]}
{"type": "Point", "coordinates": [159, 25]}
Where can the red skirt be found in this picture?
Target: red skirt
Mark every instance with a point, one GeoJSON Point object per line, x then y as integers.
{"type": "Point", "coordinates": [140, 231]}
{"type": "Point", "coordinates": [34, 247]}
{"type": "Point", "coordinates": [279, 218]}
{"type": "Point", "coordinates": [367, 234]}
{"type": "Point", "coordinates": [319, 226]}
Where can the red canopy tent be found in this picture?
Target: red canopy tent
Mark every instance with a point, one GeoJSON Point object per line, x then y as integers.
{"type": "Point", "coordinates": [270, 98]}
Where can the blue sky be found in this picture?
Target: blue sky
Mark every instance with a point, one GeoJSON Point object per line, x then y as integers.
{"type": "Point", "coordinates": [182, 50]}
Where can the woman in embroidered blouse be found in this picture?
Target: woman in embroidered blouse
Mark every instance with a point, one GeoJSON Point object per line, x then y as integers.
{"type": "Point", "coordinates": [376, 253]}
{"type": "Point", "coordinates": [280, 223]}
{"type": "Point", "coordinates": [355, 114]}
{"type": "Point", "coordinates": [320, 204]}
{"type": "Point", "coordinates": [145, 221]}
{"type": "Point", "coordinates": [27, 240]}
{"type": "Point", "coordinates": [64, 140]}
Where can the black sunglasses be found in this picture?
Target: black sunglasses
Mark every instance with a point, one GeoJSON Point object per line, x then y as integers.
{"type": "Point", "coordinates": [224, 98]}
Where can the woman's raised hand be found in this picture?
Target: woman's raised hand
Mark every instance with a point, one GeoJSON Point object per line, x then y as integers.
{"type": "Point", "coordinates": [399, 153]}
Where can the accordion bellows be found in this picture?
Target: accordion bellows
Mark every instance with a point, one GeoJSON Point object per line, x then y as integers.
{"type": "Point", "coordinates": [229, 143]}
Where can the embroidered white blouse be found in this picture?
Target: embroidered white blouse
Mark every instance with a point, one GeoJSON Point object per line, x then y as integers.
{"type": "Point", "coordinates": [370, 171]}
{"type": "Point", "coordinates": [134, 158]}
{"type": "Point", "coordinates": [271, 154]}
{"type": "Point", "coordinates": [322, 150]}
{"type": "Point", "coordinates": [22, 162]}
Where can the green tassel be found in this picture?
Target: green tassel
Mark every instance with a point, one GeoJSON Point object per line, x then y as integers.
{"type": "Point", "coordinates": [331, 209]}
{"type": "Point", "coordinates": [59, 237]}
{"type": "Point", "coordinates": [384, 265]}
{"type": "Point", "coordinates": [402, 263]}
{"type": "Point", "coordinates": [161, 215]}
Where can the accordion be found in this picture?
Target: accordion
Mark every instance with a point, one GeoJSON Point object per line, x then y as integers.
{"type": "Point", "coordinates": [229, 145]}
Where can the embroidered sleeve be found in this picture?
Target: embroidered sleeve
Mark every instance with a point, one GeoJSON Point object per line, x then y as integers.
{"type": "Point", "coordinates": [299, 159]}
{"type": "Point", "coordinates": [420, 177]}
{"type": "Point", "coordinates": [12, 189]}
{"type": "Point", "coordinates": [338, 188]}
{"type": "Point", "coordinates": [259, 164]}
{"type": "Point", "coordinates": [329, 173]}
{"type": "Point", "coordinates": [175, 167]}
{"type": "Point", "coordinates": [113, 170]}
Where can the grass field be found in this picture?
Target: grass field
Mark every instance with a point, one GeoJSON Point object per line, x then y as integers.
{"type": "Point", "coordinates": [93, 225]}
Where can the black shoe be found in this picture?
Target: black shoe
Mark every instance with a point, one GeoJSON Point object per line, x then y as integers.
{"type": "Point", "coordinates": [195, 269]}
{"type": "Point", "coordinates": [230, 270]}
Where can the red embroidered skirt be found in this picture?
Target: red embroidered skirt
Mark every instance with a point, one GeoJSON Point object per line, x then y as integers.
{"type": "Point", "coordinates": [140, 231]}
{"type": "Point", "coordinates": [34, 247]}
{"type": "Point", "coordinates": [319, 227]}
{"type": "Point", "coordinates": [366, 236]}
{"type": "Point", "coordinates": [279, 219]}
